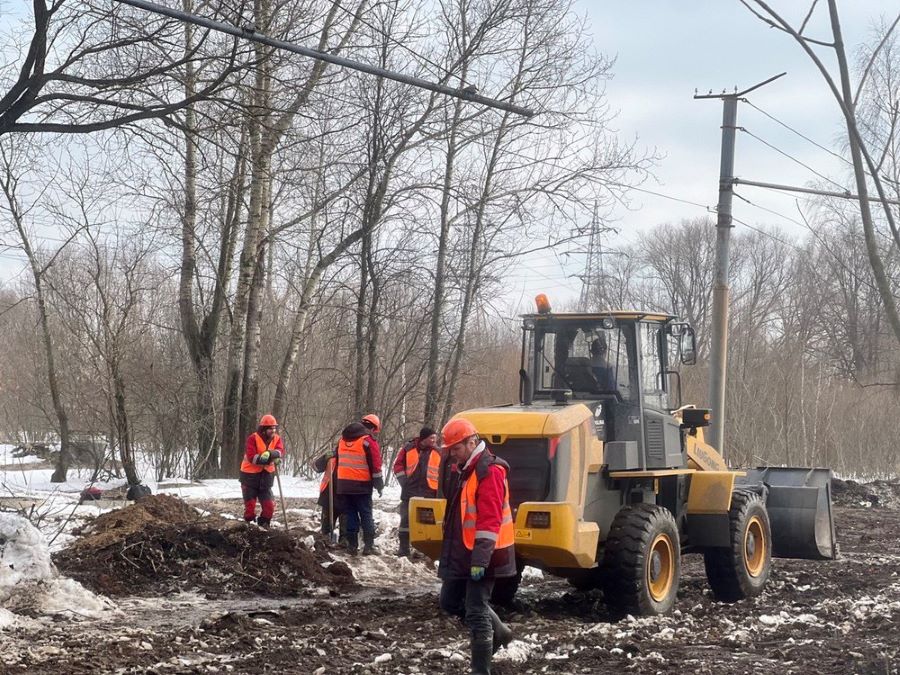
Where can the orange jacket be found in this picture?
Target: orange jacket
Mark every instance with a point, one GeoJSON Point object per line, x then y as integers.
{"type": "Point", "coordinates": [257, 446]}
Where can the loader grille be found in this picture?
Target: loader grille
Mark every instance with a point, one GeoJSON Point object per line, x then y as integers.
{"type": "Point", "coordinates": [656, 445]}
{"type": "Point", "coordinates": [529, 468]}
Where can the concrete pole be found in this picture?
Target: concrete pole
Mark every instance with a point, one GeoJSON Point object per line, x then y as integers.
{"type": "Point", "coordinates": [719, 344]}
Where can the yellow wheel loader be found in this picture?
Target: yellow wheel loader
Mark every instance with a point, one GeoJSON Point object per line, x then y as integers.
{"type": "Point", "coordinates": [611, 481]}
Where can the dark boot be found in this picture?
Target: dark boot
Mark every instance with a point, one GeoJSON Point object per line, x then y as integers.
{"type": "Point", "coordinates": [481, 656]}
{"type": "Point", "coordinates": [250, 519]}
{"type": "Point", "coordinates": [369, 541]}
{"type": "Point", "coordinates": [353, 543]}
{"type": "Point", "coordinates": [263, 522]}
{"type": "Point", "coordinates": [403, 552]}
{"type": "Point", "coordinates": [503, 635]}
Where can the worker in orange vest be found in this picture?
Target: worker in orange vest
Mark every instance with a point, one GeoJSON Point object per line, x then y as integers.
{"type": "Point", "coordinates": [328, 499]}
{"type": "Point", "coordinates": [263, 453]}
{"type": "Point", "coordinates": [416, 469]}
{"type": "Point", "coordinates": [478, 539]}
{"type": "Point", "coordinates": [358, 473]}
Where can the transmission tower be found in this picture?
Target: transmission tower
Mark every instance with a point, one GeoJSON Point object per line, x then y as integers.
{"type": "Point", "coordinates": [593, 263]}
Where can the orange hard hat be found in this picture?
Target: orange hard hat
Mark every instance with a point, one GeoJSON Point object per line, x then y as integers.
{"type": "Point", "coordinates": [456, 431]}
{"type": "Point", "coordinates": [374, 421]}
{"type": "Point", "coordinates": [268, 421]}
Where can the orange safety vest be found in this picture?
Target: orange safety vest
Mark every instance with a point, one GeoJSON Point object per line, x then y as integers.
{"type": "Point", "coordinates": [352, 461]}
{"type": "Point", "coordinates": [249, 467]}
{"type": "Point", "coordinates": [326, 477]}
{"type": "Point", "coordinates": [507, 534]}
{"type": "Point", "coordinates": [433, 470]}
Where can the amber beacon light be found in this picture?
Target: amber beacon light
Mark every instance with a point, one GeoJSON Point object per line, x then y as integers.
{"type": "Point", "coordinates": [543, 303]}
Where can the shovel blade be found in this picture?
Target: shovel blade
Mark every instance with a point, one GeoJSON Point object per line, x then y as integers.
{"type": "Point", "coordinates": [799, 505]}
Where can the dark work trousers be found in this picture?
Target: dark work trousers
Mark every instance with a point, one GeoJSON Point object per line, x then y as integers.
{"type": "Point", "coordinates": [359, 512]}
{"type": "Point", "coordinates": [468, 600]}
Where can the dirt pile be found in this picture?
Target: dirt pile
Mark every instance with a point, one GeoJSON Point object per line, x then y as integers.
{"type": "Point", "coordinates": [879, 493]}
{"type": "Point", "coordinates": [161, 544]}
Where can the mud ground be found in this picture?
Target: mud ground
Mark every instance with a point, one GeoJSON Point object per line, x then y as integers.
{"type": "Point", "coordinates": [815, 617]}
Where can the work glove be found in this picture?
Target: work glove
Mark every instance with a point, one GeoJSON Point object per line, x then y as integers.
{"type": "Point", "coordinates": [263, 457]}
{"type": "Point", "coordinates": [476, 572]}
{"type": "Point", "coordinates": [276, 461]}
{"type": "Point", "coordinates": [378, 484]}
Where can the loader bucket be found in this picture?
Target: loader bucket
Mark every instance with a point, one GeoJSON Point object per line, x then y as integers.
{"type": "Point", "coordinates": [799, 505]}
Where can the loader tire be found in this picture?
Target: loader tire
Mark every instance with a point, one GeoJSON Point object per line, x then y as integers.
{"type": "Point", "coordinates": [741, 570]}
{"type": "Point", "coordinates": [641, 565]}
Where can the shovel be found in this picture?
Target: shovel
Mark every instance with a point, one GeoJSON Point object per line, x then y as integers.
{"type": "Point", "coordinates": [333, 536]}
{"type": "Point", "coordinates": [281, 495]}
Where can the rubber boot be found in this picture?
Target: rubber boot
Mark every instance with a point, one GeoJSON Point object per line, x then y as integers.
{"type": "Point", "coordinates": [249, 519]}
{"type": "Point", "coordinates": [503, 634]}
{"type": "Point", "coordinates": [353, 543]}
{"type": "Point", "coordinates": [369, 541]}
{"type": "Point", "coordinates": [481, 656]}
{"type": "Point", "coordinates": [403, 551]}
{"type": "Point", "coordinates": [263, 522]}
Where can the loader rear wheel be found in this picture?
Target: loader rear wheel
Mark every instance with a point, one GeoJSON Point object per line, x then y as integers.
{"type": "Point", "coordinates": [642, 561]}
{"type": "Point", "coordinates": [742, 570]}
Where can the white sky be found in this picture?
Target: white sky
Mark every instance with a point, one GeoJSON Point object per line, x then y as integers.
{"type": "Point", "coordinates": [664, 49]}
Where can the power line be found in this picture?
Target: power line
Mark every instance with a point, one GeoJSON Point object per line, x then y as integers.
{"type": "Point", "coordinates": [791, 129]}
{"type": "Point", "coordinates": [791, 157]}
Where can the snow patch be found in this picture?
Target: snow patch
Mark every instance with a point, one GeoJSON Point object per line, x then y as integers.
{"type": "Point", "coordinates": [519, 651]}
{"type": "Point", "coordinates": [29, 583]}
{"type": "Point", "coordinates": [7, 619]}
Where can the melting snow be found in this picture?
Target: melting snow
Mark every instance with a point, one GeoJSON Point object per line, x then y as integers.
{"type": "Point", "coordinates": [30, 583]}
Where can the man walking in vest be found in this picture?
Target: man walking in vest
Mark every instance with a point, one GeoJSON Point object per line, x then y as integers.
{"type": "Point", "coordinates": [416, 468]}
{"type": "Point", "coordinates": [358, 471]}
{"type": "Point", "coordinates": [478, 540]}
{"type": "Point", "coordinates": [262, 455]}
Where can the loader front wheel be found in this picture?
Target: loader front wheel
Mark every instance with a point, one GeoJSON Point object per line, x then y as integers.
{"type": "Point", "coordinates": [642, 561]}
{"type": "Point", "coordinates": [742, 570]}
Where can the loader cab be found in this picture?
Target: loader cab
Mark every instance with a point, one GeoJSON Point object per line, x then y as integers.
{"type": "Point", "coordinates": [620, 365]}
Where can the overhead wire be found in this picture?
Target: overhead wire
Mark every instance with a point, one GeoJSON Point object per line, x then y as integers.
{"type": "Point", "coordinates": [794, 131]}
{"type": "Point", "coordinates": [792, 158]}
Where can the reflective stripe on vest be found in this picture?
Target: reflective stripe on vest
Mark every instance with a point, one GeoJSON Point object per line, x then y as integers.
{"type": "Point", "coordinates": [352, 461]}
{"type": "Point", "coordinates": [326, 477]}
{"type": "Point", "coordinates": [432, 471]}
{"type": "Point", "coordinates": [249, 467]}
{"type": "Point", "coordinates": [502, 539]}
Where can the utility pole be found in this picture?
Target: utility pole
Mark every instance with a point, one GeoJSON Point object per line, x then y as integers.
{"type": "Point", "coordinates": [718, 358]}
{"type": "Point", "coordinates": [468, 93]}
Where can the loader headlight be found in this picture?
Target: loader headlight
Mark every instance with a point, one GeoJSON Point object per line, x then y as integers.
{"type": "Point", "coordinates": [425, 516]}
{"type": "Point", "coordinates": [538, 520]}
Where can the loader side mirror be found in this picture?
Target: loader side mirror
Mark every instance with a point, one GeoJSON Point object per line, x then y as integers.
{"type": "Point", "coordinates": [692, 418]}
{"type": "Point", "coordinates": [688, 346]}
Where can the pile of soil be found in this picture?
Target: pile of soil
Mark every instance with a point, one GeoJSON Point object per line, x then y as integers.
{"type": "Point", "coordinates": [161, 544]}
{"type": "Point", "coordinates": [878, 494]}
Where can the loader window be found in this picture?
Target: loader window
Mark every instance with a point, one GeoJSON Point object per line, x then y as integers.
{"type": "Point", "coordinates": [652, 366]}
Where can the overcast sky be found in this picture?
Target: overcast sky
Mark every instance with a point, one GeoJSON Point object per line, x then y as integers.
{"type": "Point", "coordinates": [666, 49]}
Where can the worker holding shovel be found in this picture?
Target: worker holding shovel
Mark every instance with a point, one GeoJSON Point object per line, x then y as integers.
{"type": "Point", "coordinates": [330, 502]}
{"type": "Point", "coordinates": [262, 456]}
